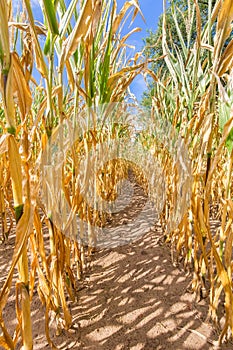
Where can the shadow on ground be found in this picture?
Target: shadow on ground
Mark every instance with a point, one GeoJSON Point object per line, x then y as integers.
{"type": "Point", "coordinates": [131, 298]}
{"type": "Point", "coordinates": [136, 299]}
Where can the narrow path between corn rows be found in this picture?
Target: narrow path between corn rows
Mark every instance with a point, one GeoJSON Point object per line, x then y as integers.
{"type": "Point", "coordinates": [134, 298]}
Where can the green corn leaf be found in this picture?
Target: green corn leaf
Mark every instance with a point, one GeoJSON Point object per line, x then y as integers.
{"type": "Point", "coordinates": [65, 21]}
{"type": "Point", "coordinates": [50, 14]}
{"type": "Point", "coordinates": [47, 44]}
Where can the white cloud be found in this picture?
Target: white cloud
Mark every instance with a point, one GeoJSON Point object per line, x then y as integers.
{"type": "Point", "coordinates": [138, 86]}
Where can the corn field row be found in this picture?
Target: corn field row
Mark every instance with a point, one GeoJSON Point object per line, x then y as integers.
{"type": "Point", "coordinates": [76, 61]}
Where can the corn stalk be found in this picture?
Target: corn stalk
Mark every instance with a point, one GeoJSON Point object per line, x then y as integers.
{"type": "Point", "coordinates": [8, 86]}
{"type": "Point", "coordinates": [190, 97]}
{"type": "Point", "coordinates": [79, 65]}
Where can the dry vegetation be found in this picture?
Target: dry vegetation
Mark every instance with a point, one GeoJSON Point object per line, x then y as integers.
{"type": "Point", "coordinates": [79, 56]}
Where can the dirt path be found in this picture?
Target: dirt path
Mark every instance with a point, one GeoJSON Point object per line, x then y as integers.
{"type": "Point", "coordinates": [132, 298]}
{"type": "Point", "coordinates": [136, 299]}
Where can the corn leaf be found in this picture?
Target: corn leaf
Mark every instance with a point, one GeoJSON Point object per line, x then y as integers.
{"type": "Point", "coordinates": [50, 14]}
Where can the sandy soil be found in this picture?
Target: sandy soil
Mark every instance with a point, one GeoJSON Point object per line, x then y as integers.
{"type": "Point", "coordinates": [132, 297]}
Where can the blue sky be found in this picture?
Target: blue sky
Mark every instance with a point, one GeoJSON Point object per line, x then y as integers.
{"type": "Point", "coordinates": [151, 10]}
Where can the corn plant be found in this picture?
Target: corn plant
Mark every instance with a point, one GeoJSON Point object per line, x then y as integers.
{"type": "Point", "coordinates": [195, 97]}
{"type": "Point", "coordinates": [50, 72]}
